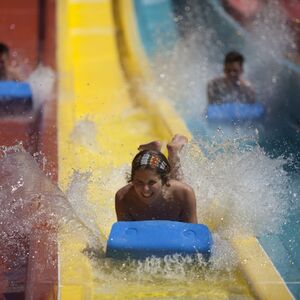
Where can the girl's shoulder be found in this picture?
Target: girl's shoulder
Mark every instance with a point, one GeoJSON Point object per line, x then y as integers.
{"type": "Point", "coordinates": [179, 186]}
{"type": "Point", "coordinates": [122, 192]}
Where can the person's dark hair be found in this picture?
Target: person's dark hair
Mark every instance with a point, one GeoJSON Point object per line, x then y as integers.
{"type": "Point", "coordinates": [143, 160]}
{"type": "Point", "coordinates": [4, 49]}
{"type": "Point", "coordinates": [234, 56]}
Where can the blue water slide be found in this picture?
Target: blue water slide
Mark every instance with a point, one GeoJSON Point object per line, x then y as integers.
{"type": "Point", "coordinates": [281, 129]}
{"type": "Point", "coordinates": [156, 25]}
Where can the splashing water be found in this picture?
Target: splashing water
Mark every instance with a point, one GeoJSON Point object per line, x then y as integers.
{"type": "Point", "coordinates": [30, 205]}
{"type": "Point", "coordinates": [183, 81]}
{"type": "Point", "coordinates": [182, 74]}
{"type": "Point", "coordinates": [271, 40]}
{"type": "Point", "coordinates": [41, 81]}
{"type": "Point", "coordinates": [85, 134]}
{"type": "Point", "coordinates": [157, 277]}
{"type": "Point", "coordinates": [171, 267]}
{"type": "Point", "coordinates": [239, 188]}
{"type": "Point", "coordinates": [238, 191]}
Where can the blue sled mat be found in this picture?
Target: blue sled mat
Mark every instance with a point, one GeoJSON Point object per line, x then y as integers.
{"type": "Point", "coordinates": [141, 239]}
{"type": "Point", "coordinates": [15, 98]}
{"type": "Point", "coordinates": [235, 112]}
{"type": "Point", "coordinates": [15, 90]}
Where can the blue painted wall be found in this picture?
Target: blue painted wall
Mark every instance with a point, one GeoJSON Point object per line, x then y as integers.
{"type": "Point", "coordinates": [156, 26]}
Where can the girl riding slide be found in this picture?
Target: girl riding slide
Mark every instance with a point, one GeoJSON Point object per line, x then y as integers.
{"type": "Point", "coordinates": [155, 190]}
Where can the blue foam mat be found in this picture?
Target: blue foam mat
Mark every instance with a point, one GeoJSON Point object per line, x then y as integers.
{"type": "Point", "coordinates": [14, 90]}
{"type": "Point", "coordinates": [235, 111]}
{"type": "Point", "coordinates": [141, 239]}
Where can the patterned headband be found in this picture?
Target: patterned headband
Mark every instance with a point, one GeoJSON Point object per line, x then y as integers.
{"type": "Point", "coordinates": [153, 161]}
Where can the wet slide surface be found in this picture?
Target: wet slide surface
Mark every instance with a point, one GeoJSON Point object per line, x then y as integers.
{"type": "Point", "coordinates": [99, 130]}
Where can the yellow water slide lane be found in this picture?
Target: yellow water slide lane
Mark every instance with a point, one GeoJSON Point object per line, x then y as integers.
{"type": "Point", "coordinates": [100, 125]}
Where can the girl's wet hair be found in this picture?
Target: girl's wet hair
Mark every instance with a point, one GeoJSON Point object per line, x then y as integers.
{"type": "Point", "coordinates": [151, 160]}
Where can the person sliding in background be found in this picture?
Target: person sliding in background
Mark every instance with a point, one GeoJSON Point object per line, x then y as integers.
{"type": "Point", "coordinates": [155, 190]}
{"type": "Point", "coordinates": [231, 87]}
{"type": "Point", "coordinates": [6, 72]}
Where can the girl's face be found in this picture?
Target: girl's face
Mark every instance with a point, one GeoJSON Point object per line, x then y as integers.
{"type": "Point", "coordinates": [147, 185]}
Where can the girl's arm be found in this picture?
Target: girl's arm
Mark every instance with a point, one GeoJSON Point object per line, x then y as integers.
{"type": "Point", "coordinates": [121, 207]}
{"type": "Point", "coordinates": [189, 211]}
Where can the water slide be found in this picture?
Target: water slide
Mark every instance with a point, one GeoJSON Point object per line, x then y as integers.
{"type": "Point", "coordinates": [279, 136]}
{"type": "Point", "coordinates": [103, 115]}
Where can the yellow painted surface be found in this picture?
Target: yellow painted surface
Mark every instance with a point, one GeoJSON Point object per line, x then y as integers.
{"type": "Point", "coordinates": [99, 129]}
{"type": "Point", "coordinates": [259, 271]}
{"type": "Point", "coordinates": [93, 91]}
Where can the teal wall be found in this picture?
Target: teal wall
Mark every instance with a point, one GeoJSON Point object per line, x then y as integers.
{"type": "Point", "coordinates": [156, 26]}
